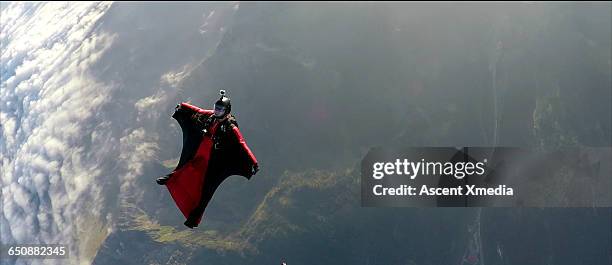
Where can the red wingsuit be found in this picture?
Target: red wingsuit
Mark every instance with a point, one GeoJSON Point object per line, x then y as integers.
{"type": "Point", "coordinates": [209, 156]}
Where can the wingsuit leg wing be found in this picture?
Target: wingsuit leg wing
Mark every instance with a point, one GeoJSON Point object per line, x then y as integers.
{"type": "Point", "coordinates": [186, 181]}
{"type": "Point", "coordinates": [234, 158]}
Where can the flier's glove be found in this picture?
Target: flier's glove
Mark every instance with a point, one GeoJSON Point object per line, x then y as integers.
{"type": "Point", "coordinates": [254, 169]}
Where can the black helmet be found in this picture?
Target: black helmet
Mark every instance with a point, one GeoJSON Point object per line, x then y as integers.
{"type": "Point", "coordinates": [223, 103]}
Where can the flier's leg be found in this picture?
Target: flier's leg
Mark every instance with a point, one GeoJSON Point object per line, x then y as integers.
{"type": "Point", "coordinates": [163, 179]}
{"type": "Point", "coordinates": [207, 191]}
{"type": "Point", "coordinates": [196, 214]}
{"type": "Point", "coordinates": [192, 220]}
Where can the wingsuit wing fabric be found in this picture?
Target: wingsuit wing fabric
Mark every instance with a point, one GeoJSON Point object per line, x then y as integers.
{"type": "Point", "coordinates": [203, 166]}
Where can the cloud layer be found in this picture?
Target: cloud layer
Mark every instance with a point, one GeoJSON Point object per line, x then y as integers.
{"type": "Point", "coordinates": [49, 113]}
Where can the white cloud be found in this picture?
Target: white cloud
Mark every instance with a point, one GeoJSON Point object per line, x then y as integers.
{"type": "Point", "coordinates": [137, 147]}
{"type": "Point", "coordinates": [47, 101]}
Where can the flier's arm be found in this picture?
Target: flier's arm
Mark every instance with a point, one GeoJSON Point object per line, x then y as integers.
{"type": "Point", "coordinates": [188, 106]}
{"type": "Point", "coordinates": [244, 146]}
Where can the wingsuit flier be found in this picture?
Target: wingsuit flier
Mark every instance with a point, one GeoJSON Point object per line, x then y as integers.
{"type": "Point", "coordinates": [213, 150]}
